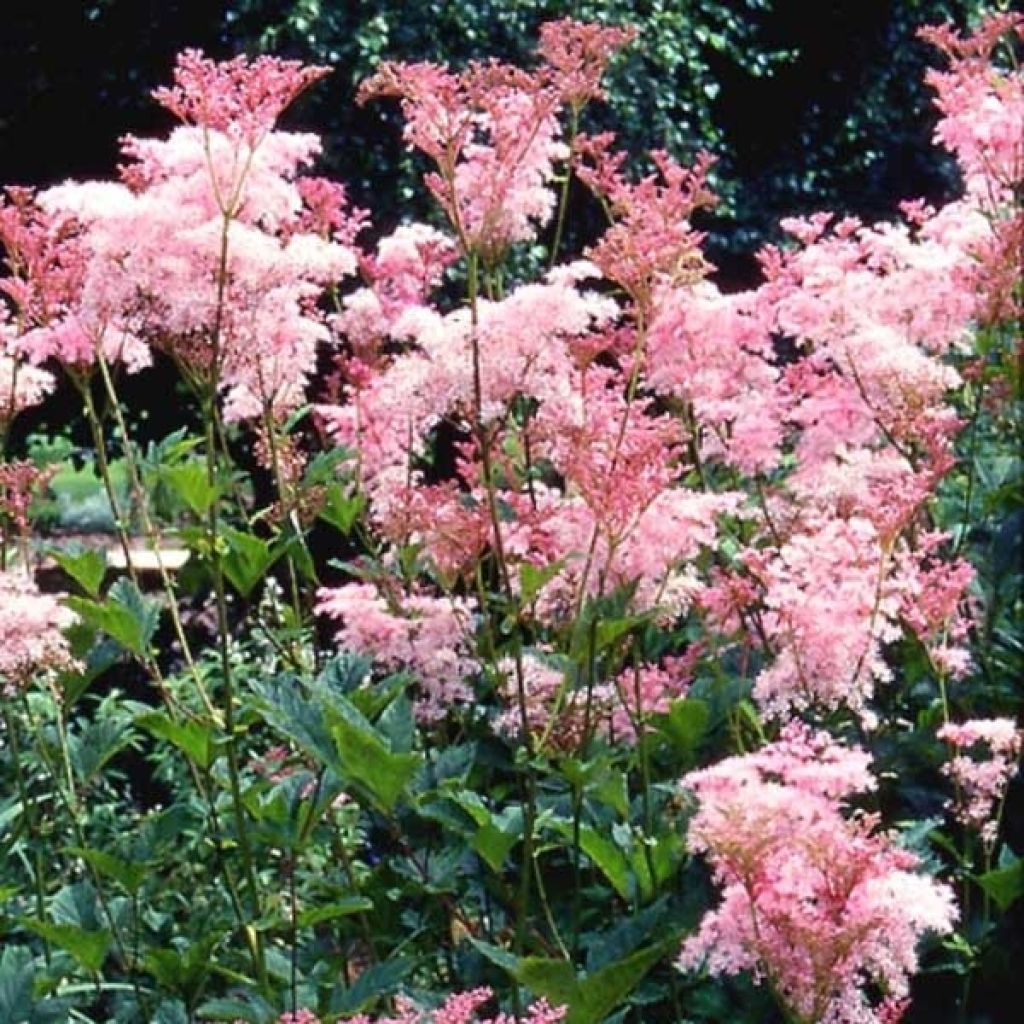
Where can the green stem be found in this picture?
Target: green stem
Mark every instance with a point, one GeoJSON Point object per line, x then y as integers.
{"type": "Point", "coordinates": [152, 534]}
{"type": "Point", "coordinates": [69, 801]}
{"type": "Point", "coordinates": [223, 646]}
{"type": "Point", "coordinates": [29, 811]}
{"type": "Point", "coordinates": [563, 198]}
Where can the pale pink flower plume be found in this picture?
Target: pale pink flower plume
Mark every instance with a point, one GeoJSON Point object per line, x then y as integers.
{"type": "Point", "coordinates": [459, 1008]}
{"type": "Point", "coordinates": [425, 635]}
{"type": "Point", "coordinates": [827, 612]}
{"type": "Point", "coordinates": [211, 248]}
{"type": "Point", "coordinates": [32, 640]}
{"type": "Point", "coordinates": [814, 900]}
{"type": "Point", "coordinates": [21, 386]}
{"type": "Point", "coordinates": [982, 105]}
{"type": "Point", "coordinates": [494, 137]}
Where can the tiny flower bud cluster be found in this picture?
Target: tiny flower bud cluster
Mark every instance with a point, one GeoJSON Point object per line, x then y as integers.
{"type": "Point", "coordinates": [983, 758]}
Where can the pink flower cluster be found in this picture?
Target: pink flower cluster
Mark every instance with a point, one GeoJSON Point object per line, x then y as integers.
{"type": "Point", "coordinates": [209, 247]}
{"type": "Point", "coordinates": [32, 640]}
{"type": "Point", "coordinates": [21, 386]}
{"type": "Point", "coordinates": [492, 130]}
{"type": "Point", "coordinates": [459, 1008]}
{"type": "Point", "coordinates": [239, 97]}
{"type": "Point", "coordinates": [566, 717]}
{"type": "Point", "coordinates": [20, 483]}
{"type": "Point", "coordinates": [424, 635]}
{"type": "Point", "coordinates": [983, 758]}
{"type": "Point", "coordinates": [815, 901]}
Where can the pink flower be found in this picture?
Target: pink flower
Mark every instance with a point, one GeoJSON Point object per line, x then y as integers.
{"type": "Point", "coordinates": [427, 636]}
{"type": "Point", "coordinates": [650, 243]}
{"type": "Point", "coordinates": [240, 97]}
{"type": "Point", "coordinates": [32, 626]}
{"type": "Point", "coordinates": [814, 901]}
{"type": "Point", "coordinates": [984, 755]}
{"type": "Point", "coordinates": [460, 1008]}
{"type": "Point", "coordinates": [827, 611]}
{"type": "Point", "coordinates": [577, 54]}
{"type": "Point", "coordinates": [494, 137]}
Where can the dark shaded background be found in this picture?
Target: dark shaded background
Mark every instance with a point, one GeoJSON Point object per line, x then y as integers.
{"type": "Point", "coordinates": [809, 104]}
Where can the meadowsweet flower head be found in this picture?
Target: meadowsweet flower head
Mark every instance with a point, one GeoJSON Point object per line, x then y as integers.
{"type": "Point", "coordinates": [32, 628]}
{"type": "Point", "coordinates": [20, 482]}
{"type": "Point", "coordinates": [494, 137]}
{"type": "Point", "coordinates": [21, 385]}
{"type": "Point", "coordinates": [982, 105]}
{"type": "Point", "coordinates": [422, 634]}
{"type": "Point", "coordinates": [577, 54]}
{"type": "Point", "coordinates": [983, 758]}
{"type": "Point", "coordinates": [651, 242]}
{"type": "Point", "coordinates": [814, 900]}
{"type": "Point", "coordinates": [240, 97]}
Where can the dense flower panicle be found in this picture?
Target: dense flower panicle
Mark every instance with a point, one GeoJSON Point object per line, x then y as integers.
{"type": "Point", "coordinates": [712, 351]}
{"type": "Point", "coordinates": [394, 403]}
{"type": "Point", "coordinates": [20, 482]}
{"type": "Point", "coordinates": [327, 211]}
{"type": "Point", "coordinates": [21, 386]}
{"type": "Point", "coordinates": [459, 1008]}
{"type": "Point", "coordinates": [651, 242]}
{"type": "Point", "coordinates": [236, 296]}
{"type": "Point", "coordinates": [827, 611]}
{"type": "Point", "coordinates": [426, 635]}
{"type": "Point", "coordinates": [438, 121]}
{"type": "Point", "coordinates": [982, 105]}
{"type": "Point", "coordinates": [576, 55]}
{"type": "Point", "coordinates": [493, 133]}
{"type": "Point", "coordinates": [240, 97]}
{"type": "Point", "coordinates": [816, 902]}
{"type": "Point", "coordinates": [32, 628]}
{"type": "Point", "coordinates": [42, 257]}
{"type": "Point", "coordinates": [984, 756]}
{"type": "Point", "coordinates": [933, 592]}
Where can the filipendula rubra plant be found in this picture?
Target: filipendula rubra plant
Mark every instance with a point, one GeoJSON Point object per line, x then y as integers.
{"type": "Point", "coordinates": [603, 527]}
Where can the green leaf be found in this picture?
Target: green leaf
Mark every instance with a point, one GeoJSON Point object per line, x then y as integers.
{"type": "Point", "coordinates": [686, 723]}
{"type": "Point", "coordinates": [494, 844]}
{"type": "Point", "coordinates": [89, 948]}
{"type": "Point", "coordinates": [288, 710]}
{"type": "Point", "coordinates": [532, 580]}
{"type": "Point", "coordinates": [16, 982]}
{"type": "Point", "coordinates": [251, 1009]}
{"type": "Point", "coordinates": [126, 615]}
{"type": "Point", "coordinates": [366, 758]}
{"type": "Point", "coordinates": [190, 483]}
{"type": "Point", "coordinates": [606, 856]}
{"type": "Point", "coordinates": [590, 998]}
{"type": "Point", "coordinates": [375, 982]}
{"type": "Point", "coordinates": [191, 738]}
{"type": "Point", "coordinates": [604, 990]}
{"type": "Point", "coordinates": [246, 560]}
{"type": "Point", "coordinates": [131, 876]}
{"type": "Point", "coordinates": [341, 510]}
{"type": "Point", "coordinates": [554, 979]}
{"type": "Point", "coordinates": [86, 567]}
{"type": "Point", "coordinates": [1004, 885]}
{"type": "Point", "coordinates": [340, 908]}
